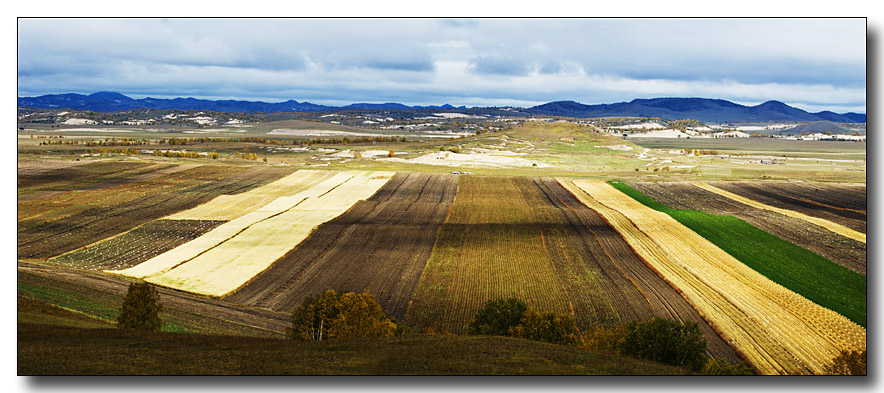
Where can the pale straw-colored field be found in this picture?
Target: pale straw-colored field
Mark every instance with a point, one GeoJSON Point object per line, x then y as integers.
{"type": "Point", "coordinates": [777, 330]}
{"type": "Point", "coordinates": [229, 207]}
{"type": "Point", "coordinates": [229, 256]}
{"type": "Point", "coordinates": [832, 226]}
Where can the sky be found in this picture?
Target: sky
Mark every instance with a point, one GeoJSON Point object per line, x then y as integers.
{"type": "Point", "coordinates": [813, 63]}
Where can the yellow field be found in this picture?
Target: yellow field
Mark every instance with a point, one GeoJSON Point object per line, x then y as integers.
{"type": "Point", "coordinates": [218, 265]}
{"type": "Point", "coordinates": [777, 330]}
{"type": "Point", "coordinates": [834, 227]}
{"type": "Point", "coordinates": [230, 207]}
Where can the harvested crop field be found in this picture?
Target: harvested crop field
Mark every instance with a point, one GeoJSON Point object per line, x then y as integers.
{"type": "Point", "coordinates": [227, 257]}
{"type": "Point", "coordinates": [380, 246]}
{"type": "Point", "coordinates": [842, 205]}
{"type": "Point", "coordinates": [836, 248]}
{"type": "Point", "coordinates": [87, 214]}
{"type": "Point", "coordinates": [138, 245]}
{"type": "Point", "coordinates": [801, 271]}
{"type": "Point", "coordinates": [530, 238]}
{"type": "Point", "coordinates": [777, 330]}
{"type": "Point", "coordinates": [229, 207]}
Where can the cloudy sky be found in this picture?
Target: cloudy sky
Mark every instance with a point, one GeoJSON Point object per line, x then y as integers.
{"type": "Point", "coordinates": [814, 64]}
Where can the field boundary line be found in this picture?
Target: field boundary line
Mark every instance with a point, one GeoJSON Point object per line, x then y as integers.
{"type": "Point", "coordinates": [831, 226]}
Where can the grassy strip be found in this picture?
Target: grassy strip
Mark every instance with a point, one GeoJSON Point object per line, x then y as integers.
{"type": "Point", "coordinates": [810, 275]}
{"type": "Point", "coordinates": [105, 306]}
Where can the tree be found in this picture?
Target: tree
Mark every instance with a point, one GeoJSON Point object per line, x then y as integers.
{"type": "Point", "coordinates": [497, 317]}
{"type": "Point", "coordinates": [333, 315]}
{"type": "Point", "coordinates": [141, 308]}
{"type": "Point", "coordinates": [548, 327]}
{"type": "Point", "coordinates": [665, 341]}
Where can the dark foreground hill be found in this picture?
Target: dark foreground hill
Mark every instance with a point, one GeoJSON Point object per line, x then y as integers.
{"type": "Point", "coordinates": [51, 341]}
{"type": "Point", "coordinates": [702, 109]}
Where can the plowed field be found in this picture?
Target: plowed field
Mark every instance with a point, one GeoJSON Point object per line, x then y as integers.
{"type": "Point", "coordinates": [833, 203]}
{"type": "Point", "coordinates": [777, 330]}
{"type": "Point", "coordinates": [380, 245]}
{"type": "Point", "coordinates": [839, 249]}
{"type": "Point", "coordinates": [530, 238]}
{"type": "Point", "coordinates": [88, 213]}
{"type": "Point", "coordinates": [137, 245]}
{"type": "Point", "coordinates": [240, 249]}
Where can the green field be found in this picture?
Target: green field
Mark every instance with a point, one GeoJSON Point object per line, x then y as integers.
{"type": "Point", "coordinates": [808, 274]}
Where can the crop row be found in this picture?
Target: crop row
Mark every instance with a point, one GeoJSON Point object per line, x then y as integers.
{"type": "Point", "coordinates": [138, 245]}
{"type": "Point", "coordinates": [777, 330]}
{"type": "Point", "coordinates": [822, 222]}
{"type": "Point", "coordinates": [230, 255]}
{"type": "Point", "coordinates": [379, 245]}
{"type": "Point", "coordinates": [821, 203]}
{"type": "Point", "coordinates": [531, 238]}
{"type": "Point", "coordinates": [685, 196]}
{"type": "Point", "coordinates": [819, 280]}
{"type": "Point", "coordinates": [117, 209]}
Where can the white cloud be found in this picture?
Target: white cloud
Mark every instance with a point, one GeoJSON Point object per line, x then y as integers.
{"type": "Point", "coordinates": [816, 62]}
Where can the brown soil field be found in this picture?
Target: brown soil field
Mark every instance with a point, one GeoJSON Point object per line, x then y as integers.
{"type": "Point", "coordinates": [380, 246]}
{"type": "Point", "coordinates": [488, 245]}
{"type": "Point", "coordinates": [31, 167]}
{"type": "Point", "coordinates": [682, 195]}
{"type": "Point", "coordinates": [138, 245]}
{"type": "Point", "coordinates": [78, 218]}
{"type": "Point", "coordinates": [817, 200]}
{"type": "Point", "coordinates": [269, 322]}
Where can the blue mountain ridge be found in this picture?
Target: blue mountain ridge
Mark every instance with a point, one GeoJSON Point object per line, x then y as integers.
{"type": "Point", "coordinates": [669, 108]}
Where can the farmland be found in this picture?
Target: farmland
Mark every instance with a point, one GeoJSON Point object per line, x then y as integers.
{"type": "Point", "coordinates": [93, 208]}
{"type": "Point", "coordinates": [236, 243]}
{"type": "Point", "coordinates": [836, 248]}
{"type": "Point", "coordinates": [231, 254]}
{"type": "Point", "coordinates": [819, 280]}
{"type": "Point", "coordinates": [775, 329]}
{"type": "Point", "coordinates": [380, 245]}
{"type": "Point", "coordinates": [528, 236]}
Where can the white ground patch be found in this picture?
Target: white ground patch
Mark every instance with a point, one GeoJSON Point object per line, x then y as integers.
{"type": "Point", "coordinates": [668, 133]}
{"type": "Point", "coordinates": [617, 147]}
{"type": "Point", "coordinates": [469, 160]}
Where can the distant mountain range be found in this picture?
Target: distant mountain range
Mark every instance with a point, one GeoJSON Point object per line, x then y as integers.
{"type": "Point", "coordinates": [702, 109]}
{"type": "Point", "coordinates": [106, 101]}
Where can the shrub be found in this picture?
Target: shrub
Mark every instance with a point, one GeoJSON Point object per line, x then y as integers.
{"type": "Point", "coordinates": [548, 327]}
{"type": "Point", "coordinates": [848, 363]}
{"type": "Point", "coordinates": [722, 367]}
{"type": "Point", "coordinates": [141, 308]}
{"type": "Point", "coordinates": [497, 317]}
{"type": "Point", "coordinates": [665, 341]}
{"type": "Point", "coordinates": [340, 315]}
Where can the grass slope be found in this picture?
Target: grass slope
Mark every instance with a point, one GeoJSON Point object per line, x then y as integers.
{"type": "Point", "coordinates": [810, 275]}
{"type": "Point", "coordinates": [46, 349]}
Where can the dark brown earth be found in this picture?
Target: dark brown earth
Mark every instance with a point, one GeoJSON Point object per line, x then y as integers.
{"type": "Point", "coordinates": [379, 246]}
{"type": "Point", "coordinates": [836, 248]}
